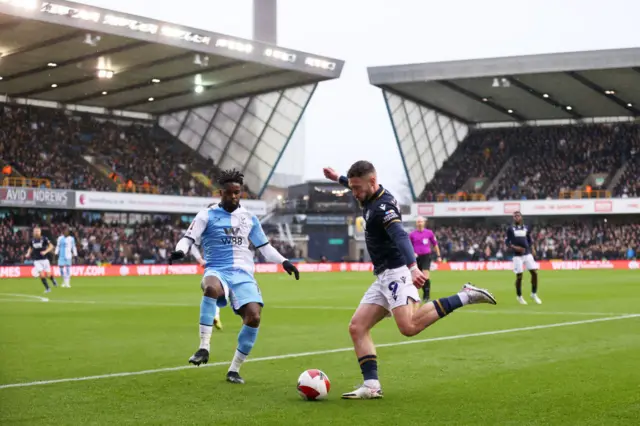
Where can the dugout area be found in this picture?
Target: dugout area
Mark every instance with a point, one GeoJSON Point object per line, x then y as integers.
{"type": "Point", "coordinates": [234, 100]}
{"type": "Point", "coordinates": [433, 106]}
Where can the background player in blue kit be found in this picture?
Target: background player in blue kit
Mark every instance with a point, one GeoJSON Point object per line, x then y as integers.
{"type": "Point", "coordinates": [395, 291]}
{"type": "Point", "coordinates": [224, 232]}
{"type": "Point", "coordinates": [519, 240]}
{"type": "Point", "coordinates": [66, 251]}
{"type": "Point", "coordinates": [39, 250]}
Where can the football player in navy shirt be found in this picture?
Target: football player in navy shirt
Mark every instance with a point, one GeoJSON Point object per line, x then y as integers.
{"type": "Point", "coordinates": [398, 278]}
{"type": "Point", "coordinates": [39, 249]}
{"type": "Point", "coordinates": [519, 240]}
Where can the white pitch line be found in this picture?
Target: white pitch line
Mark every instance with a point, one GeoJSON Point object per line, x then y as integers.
{"type": "Point", "coordinates": [324, 352]}
{"type": "Point", "coordinates": [28, 296]}
{"type": "Point", "coordinates": [491, 311]}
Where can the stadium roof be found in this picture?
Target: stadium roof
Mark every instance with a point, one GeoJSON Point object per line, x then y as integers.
{"type": "Point", "coordinates": [54, 51]}
{"type": "Point", "coordinates": [604, 83]}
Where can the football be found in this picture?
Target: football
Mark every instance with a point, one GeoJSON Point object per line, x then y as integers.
{"type": "Point", "coordinates": [313, 385]}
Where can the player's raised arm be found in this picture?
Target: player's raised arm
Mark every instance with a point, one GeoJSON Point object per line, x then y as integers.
{"type": "Point", "coordinates": [332, 175]}
{"type": "Point", "coordinates": [192, 236]}
{"type": "Point", "coordinates": [260, 241]}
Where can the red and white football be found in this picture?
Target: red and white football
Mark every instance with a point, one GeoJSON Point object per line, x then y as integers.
{"type": "Point", "coordinates": [313, 385]}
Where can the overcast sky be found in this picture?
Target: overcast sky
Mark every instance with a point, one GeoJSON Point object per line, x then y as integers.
{"type": "Point", "coordinates": [346, 120]}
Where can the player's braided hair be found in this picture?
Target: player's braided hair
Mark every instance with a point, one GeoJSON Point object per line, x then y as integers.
{"type": "Point", "coordinates": [230, 176]}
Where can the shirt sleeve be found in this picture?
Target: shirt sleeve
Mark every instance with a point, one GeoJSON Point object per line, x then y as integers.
{"type": "Point", "coordinates": [57, 250]}
{"type": "Point", "coordinates": [529, 241]}
{"type": "Point", "coordinates": [74, 250]}
{"type": "Point", "coordinates": [257, 236]}
{"type": "Point", "coordinates": [195, 252]}
{"type": "Point", "coordinates": [509, 239]}
{"type": "Point", "coordinates": [342, 180]}
{"type": "Point", "coordinates": [389, 215]}
{"type": "Point", "coordinates": [433, 240]}
{"type": "Point", "coordinates": [197, 227]}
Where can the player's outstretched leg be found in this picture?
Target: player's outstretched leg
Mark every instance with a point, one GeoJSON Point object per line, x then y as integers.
{"type": "Point", "coordinates": [519, 289]}
{"type": "Point", "coordinates": [53, 280]}
{"type": "Point", "coordinates": [364, 319]}
{"type": "Point", "coordinates": [246, 339]}
{"type": "Point", "coordinates": [534, 287]}
{"type": "Point", "coordinates": [212, 289]}
{"type": "Point", "coordinates": [412, 321]}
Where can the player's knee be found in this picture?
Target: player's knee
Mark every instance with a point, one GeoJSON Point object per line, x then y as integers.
{"type": "Point", "coordinates": [407, 329]}
{"type": "Point", "coordinates": [534, 272]}
{"type": "Point", "coordinates": [356, 329]}
{"type": "Point", "coordinates": [252, 319]}
{"type": "Point", "coordinates": [212, 288]}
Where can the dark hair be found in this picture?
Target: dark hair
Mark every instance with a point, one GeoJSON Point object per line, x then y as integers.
{"type": "Point", "coordinates": [360, 169]}
{"type": "Point", "coordinates": [230, 176]}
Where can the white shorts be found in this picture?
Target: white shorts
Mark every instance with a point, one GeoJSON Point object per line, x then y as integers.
{"type": "Point", "coordinates": [393, 288]}
{"type": "Point", "coordinates": [40, 266]}
{"type": "Point", "coordinates": [524, 261]}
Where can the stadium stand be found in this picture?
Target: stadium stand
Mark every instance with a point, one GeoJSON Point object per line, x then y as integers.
{"type": "Point", "coordinates": [150, 242]}
{"type": "Point", "coordinates": [99, 242]}
{"type": "Point", "coordinates": [578, 240]}
{"type": "Point", "coordinates": [85, 152]}
{"type": "Point", "coordinates": [629, 184]}
{"type": "Point", "coordinates": [530, 127]}
{"type": "Point", "coordinates": [539, 162]}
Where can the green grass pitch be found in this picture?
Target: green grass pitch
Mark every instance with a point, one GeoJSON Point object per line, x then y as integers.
{"type": "Point", "coordinates": [575, 360]}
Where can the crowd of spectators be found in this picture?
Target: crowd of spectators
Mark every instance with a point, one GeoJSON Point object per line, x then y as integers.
{"type": "Point", "coordinates": [539, 162]}
{"type": "Point", "coordinates": [568, 241]}
{"type": "Point", "coordinates": [629, 184]}
{"type": "Point", "coordinates": [548, 160]}
{"type": "Point", "coordinates": [55, 144]}
{"type": "Point", "coordinates": [35, 144]}
{"type": "Point", "coordinates": [100, 243]}
{"type": "Point", "coordinates": [482, 154]}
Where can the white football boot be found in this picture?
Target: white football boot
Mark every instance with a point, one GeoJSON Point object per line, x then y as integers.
{"type": "Point", "coordinates": [521, 300]}
{"type": "Point", "coordinates": [478, 295]}
{"type": "Point", "coordinates": [536, 299]}
{"type": "Point", "coordinates": [364, 392]}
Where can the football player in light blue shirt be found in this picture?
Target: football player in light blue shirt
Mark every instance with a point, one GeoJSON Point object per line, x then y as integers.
{"type": "Point", "coordinates": [224, 232]}
{"type": "Point", "coordinates": [66, 251]}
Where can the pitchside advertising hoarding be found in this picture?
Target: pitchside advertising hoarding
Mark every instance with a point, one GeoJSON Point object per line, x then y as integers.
{"type": "Point", "coordinates": [127, 202]}
{"type": "Point", "coordinates": [37, 197]}
{"type": "Point", "coordinates": [531, 208]}
{"type": "Point", "coordinates": [268, 268]}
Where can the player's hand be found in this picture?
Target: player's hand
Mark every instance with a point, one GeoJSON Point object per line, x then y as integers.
{"type": "Point", "coordinates": [439, 259]}
{"type": "Point", "coordinates": [291, 269]}
{"type": "Point", "coordinates": [518, 249]}
{"type": "Point", "coordinates": [418, 278]}
{"type": "Point", "coordinates": [202, 262]}
{"type": "Point", "coordinates": [176, 255]}
{"type": "Point", "coordinates": [27, 256]}
{"type": "Point", "coordinates": [330, 174]}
